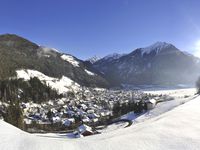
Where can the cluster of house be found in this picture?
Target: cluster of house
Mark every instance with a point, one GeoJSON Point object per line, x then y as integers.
{"type": "Point", "coordinates": [87, 107]}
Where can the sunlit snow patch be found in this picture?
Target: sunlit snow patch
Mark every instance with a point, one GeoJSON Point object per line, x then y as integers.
{"type": "Point", "coordinates": [62, 85]}
{"type": "Point", "coordinates": [157, 47]}
{"type": "Point", "coordinates": [71, 60]}
{"type": "Point", "coordinates": [89, 72]}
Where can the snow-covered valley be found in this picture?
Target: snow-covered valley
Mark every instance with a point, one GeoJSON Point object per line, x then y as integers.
{"type": "Point", "coordinates": [175, 129]}
{"type": "Point", "coordinates": [99, 75]}
{"type": "Point", "coordinates": [60, 100]}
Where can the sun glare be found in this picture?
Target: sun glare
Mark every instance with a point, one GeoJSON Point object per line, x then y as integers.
{"type": "Point", "coordinates": [197, 48]}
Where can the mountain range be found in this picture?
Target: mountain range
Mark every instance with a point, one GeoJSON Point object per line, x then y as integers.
{"type": "Point", "coordinates": [18, 53]}
{"type": "Point", "coordinates": [159, 64]}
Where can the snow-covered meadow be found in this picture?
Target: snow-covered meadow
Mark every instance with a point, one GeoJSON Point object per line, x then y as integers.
{"type": "Point", "coordinates": [174, 92]}
{"type": "Point", "coordinates": [61, 85]}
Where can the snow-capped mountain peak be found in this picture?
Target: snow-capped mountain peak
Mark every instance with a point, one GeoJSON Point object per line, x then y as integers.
{"type": "Point", "coordinates": [113, 56]}
{"type": "Point", "coordinates": [93, 59]}
{"type": "Point", "coordinates": [157, 47]}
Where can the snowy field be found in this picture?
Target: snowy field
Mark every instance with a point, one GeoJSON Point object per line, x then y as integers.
{"type": "Point", "coordinates": [178, 93]}
{"type": "Point", "coordinates": [181, 96]}
{"type": "Point", "coordinates": [174, 129]}
{"type": "Point", "coordinates": [159, 109]}
{"type": "Point", "coordinates": [114, 126]}
{"type": "Point", "coordinates": [61, 85]}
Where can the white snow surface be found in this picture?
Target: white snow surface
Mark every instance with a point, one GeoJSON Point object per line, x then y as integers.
{"type": "Point", "coordinates": [178, 129]}
{"type": "Point", "coordinates": [93, 59]}
{"type": "Point", "coordinates": [62, 85]}
{"type": "Point", "coordinates": [157, 47]}
{"type": "Point", "coordinates": [71, 60]}
{"type": "Point", "coordinates": [177, 93]}
{"type": "Point", "coordinates": [89, 72]}
{"type": "Point", "coordinates": [113, 56]}
{"type": "Point", "coordinates": [114, 126]}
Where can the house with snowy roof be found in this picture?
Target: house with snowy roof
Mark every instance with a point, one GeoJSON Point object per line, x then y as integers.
{"type": "Point", "coordinates": [68, 121]}
{"type": "Point", "coordinates": [151, 103]}
{"type": "Point", "coordinates": [85, 130]}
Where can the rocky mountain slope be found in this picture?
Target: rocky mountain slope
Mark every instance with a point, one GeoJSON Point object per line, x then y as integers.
{"type": "Point", "coordinates": [18, 53]}
{"type": "Point", "coordinates": [161, 63]}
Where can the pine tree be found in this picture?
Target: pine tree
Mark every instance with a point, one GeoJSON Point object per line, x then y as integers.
{"type": "Point", "coordinates": [14, 115]}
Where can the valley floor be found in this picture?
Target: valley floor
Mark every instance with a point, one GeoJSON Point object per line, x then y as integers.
{"type": "Point", "coordinates": [177, 128]}
{"type": "Point", "coordinates": [176, 92]}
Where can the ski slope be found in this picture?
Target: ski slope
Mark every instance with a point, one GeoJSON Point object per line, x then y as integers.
{"type": "Point", "coordinates": [178, 129]}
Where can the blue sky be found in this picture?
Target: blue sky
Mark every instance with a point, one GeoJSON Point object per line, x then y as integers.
{"type": "Point", "coordinates": [86, 28]}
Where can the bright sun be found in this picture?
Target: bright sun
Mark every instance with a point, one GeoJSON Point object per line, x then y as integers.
{"type": "Point", "coordinates": [197, 48]}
